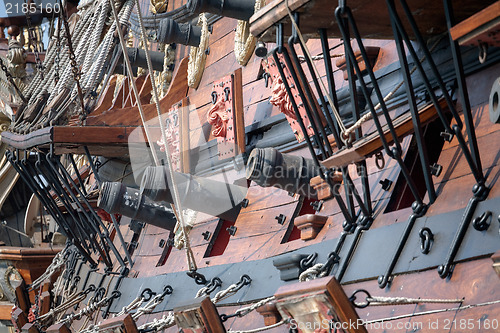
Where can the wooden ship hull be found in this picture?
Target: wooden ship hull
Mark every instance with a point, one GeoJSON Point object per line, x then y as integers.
{"type": "Point", "coordinates": [307, 166]}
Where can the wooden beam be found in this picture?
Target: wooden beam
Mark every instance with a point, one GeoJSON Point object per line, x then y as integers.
{"type": "Point", "coordinates": [372, 17]}
{"type": "Point", "coordinates": [372, 143]}
{"type": "Point", "coordinates": [468, 32]}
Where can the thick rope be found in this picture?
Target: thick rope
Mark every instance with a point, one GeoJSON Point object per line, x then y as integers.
{"type": "Point", "coordinates": [244, 42]}
{"type": "Point", "coordinates": [71, 301]}
{"type": "Point", "coordinates": [312, 273]}
{"type": "Point", "coordinates": [246, 310]}
{"type": "Point", "coordinates": [197, 55]}
{"type": "Point", "coordinates": [159, 324]}
{"type": "Point", "coordinates": [381, 300]}
{"type": "Point", "coordinates": [149, 307]}
{"type": "Point", "coordinates": [132, 306]}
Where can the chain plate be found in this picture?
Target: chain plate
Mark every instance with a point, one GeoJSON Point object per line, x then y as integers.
{"type": "Point", "coordinates": [270, 67]}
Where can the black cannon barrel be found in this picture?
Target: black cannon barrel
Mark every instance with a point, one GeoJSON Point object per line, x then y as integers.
{"type": "Point", "coordinates": [138, 58]}
{"type": "Point", "coordinates": [200, 194]}
{"type": "Point", "coordinates": [170, 32]}
{"type": "Point", "coordinates": [238, 9]}
{"type": "Point", "coordinates": [268, 167]}
{"type": "Point", "coordinates": [116, 198]}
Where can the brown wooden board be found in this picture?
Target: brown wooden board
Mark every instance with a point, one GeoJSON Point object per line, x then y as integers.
{"type": "Point", "coordinates": [371, 17]}
{"type": "Point", "coordinates": [130, 116]}
{"type": "Point", "coordinates": [254, 223]}
{"type": "Point", "coordinates": [372, 143]}
{"type": "Point", "coordinates": [471, 30]}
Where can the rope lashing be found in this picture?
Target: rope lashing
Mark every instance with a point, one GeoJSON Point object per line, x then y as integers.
{"type": "Point", "coordinates": [159, 324]}
{"type": "Point", "coordinates": [319, 270]}
{"type": "Point", "coordinates": [232, 289]}
{"type": "Point", "coordinates": [152, 303]}
{"type": "Point", "coordinates": [244, 42]}
{"type": "Point", "coordinates": [90, 309]}
{"type": "Point", "coordinates": [382, 300]}
{"type": "Point", "coordinates": [57, 262]}
{"type": "Point", "coordinates": [71, 301]}
{"type": "Point", "coordinates": [319, 57]}
{"type": "Point", "coordinates": [209, 288]}
{"type": "Point", "coordinates": [246, 310]}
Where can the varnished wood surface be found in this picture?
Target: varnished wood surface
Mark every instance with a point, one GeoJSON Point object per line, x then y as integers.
{"type": "Point", "coordinates": [259, 236]}
{"type": "Point", "coordinates": [475, 21]}
{"type": "Point", "coordinates": [372, 17]}
{"type": "Point", "coordinates": [372, 143]}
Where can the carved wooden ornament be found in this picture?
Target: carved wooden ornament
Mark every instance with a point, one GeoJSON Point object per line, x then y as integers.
{"type": "Point", "coordinates": [226, 115]}
{"type": "Point", "coordinates": [281, 99]}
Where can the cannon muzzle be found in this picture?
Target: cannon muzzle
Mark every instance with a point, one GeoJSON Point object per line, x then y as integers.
{"type": "Point", "coordinates": [117, 198]}
{"type": "Point", "coordinates": [268, 167]}
{"type": "Point", "coordinates": [200, 194]}
{"type": "Point", "coordinates": [238, 9]}
{"type": "Point", "coordinates": [138, 58]}
{"type": "Point", "coordinates": [170, 32]}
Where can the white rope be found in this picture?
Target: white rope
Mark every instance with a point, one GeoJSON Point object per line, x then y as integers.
{"type": "Point", "coordinates": [244, 42]}
{"type": "Point", "coordinates": [246, 310]}
{"type": "Point", "coordinates": [197, 55]}
{"type": "Point", "coordinates": [382, 300]}
{"type": "Point", "coordinates": [318, 57]}
{"type": "Point", "coordinates": [201, 292]}
{"type": "Point", "coordinates": [86, 311]}
{"type": "Point", "coordinates": [71, 301]}
{"type": "Point", "coordinates": [230, 291]}
{"type": "Point", "coordinates": [149, 307]}
{"type": "Point", "coordinates": [423, 313]}
{"type": "Point", "coordinates": [132, 306]}
{"type": "Point", "coordinates": [57, 262]}
{"type": "Point", "coordinates": [159, 324]}
{"type": "Point", "coordinates": [261, 329]}
{"type": "Point", "coordinates": [312, 273]}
